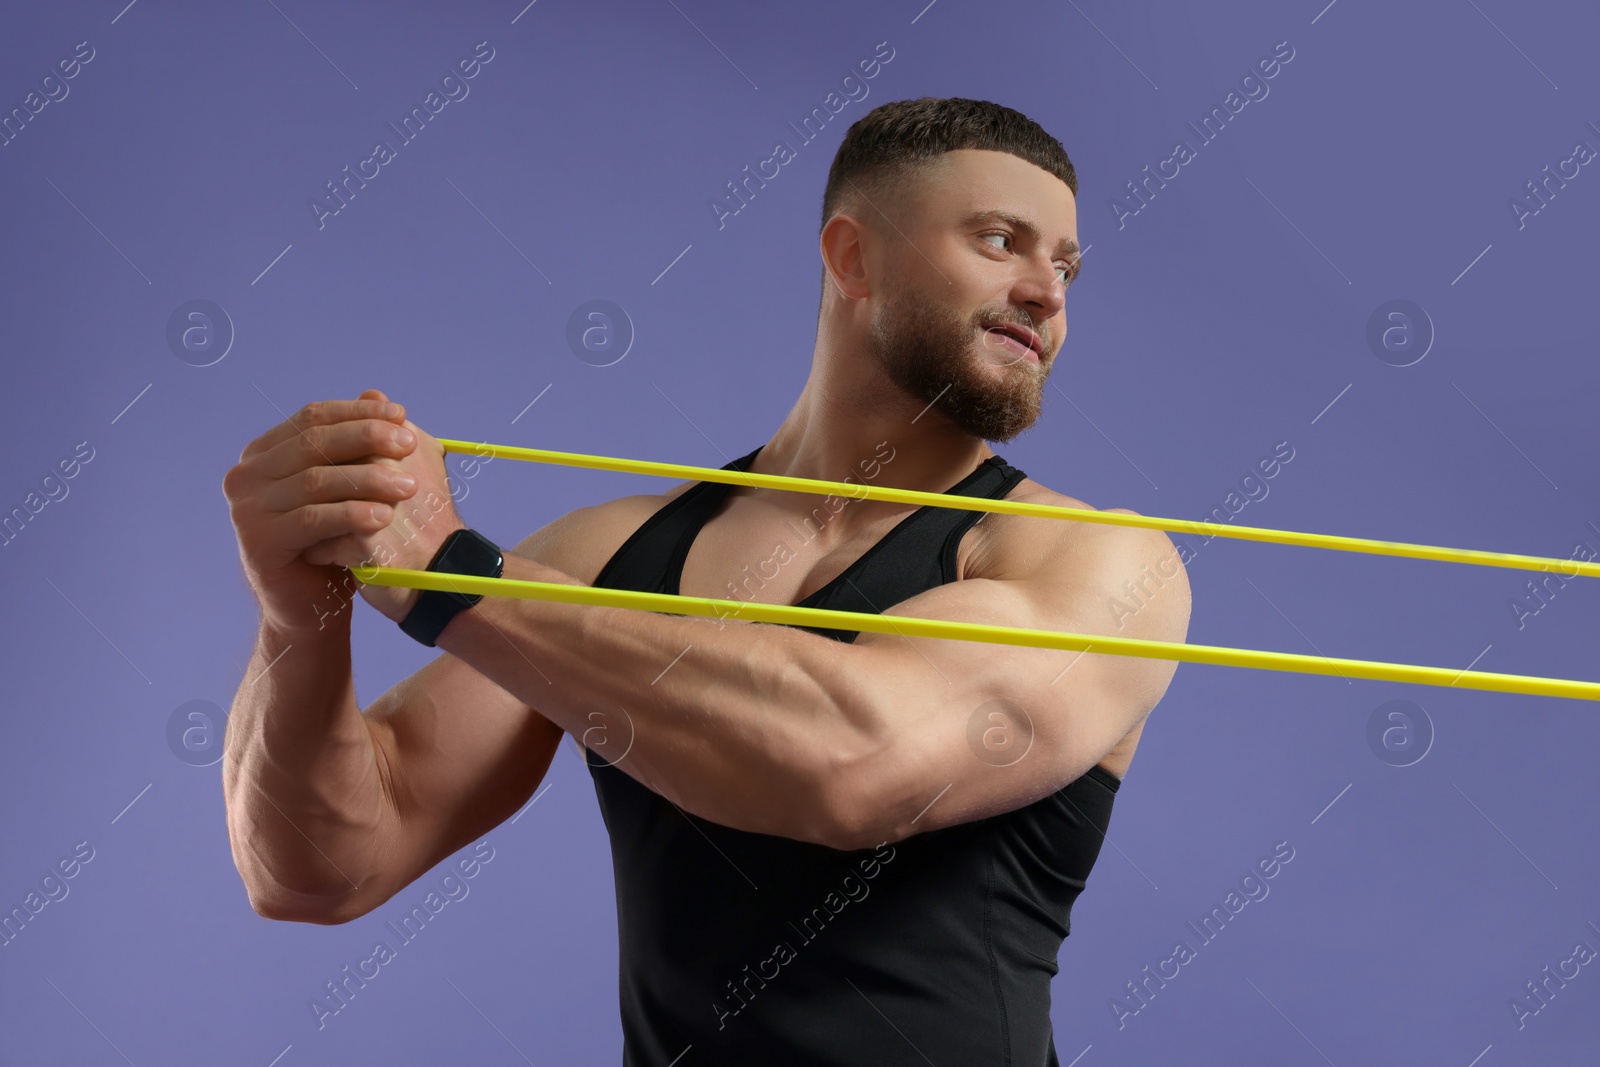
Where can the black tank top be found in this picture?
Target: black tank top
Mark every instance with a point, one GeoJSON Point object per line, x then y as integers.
{"type": "Point", "coordinates": [749, 950]}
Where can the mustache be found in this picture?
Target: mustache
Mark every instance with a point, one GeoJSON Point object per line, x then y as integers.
{"type": "Point", "coordinates": [1044, 335]}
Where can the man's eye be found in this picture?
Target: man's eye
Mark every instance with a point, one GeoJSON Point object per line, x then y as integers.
{"type": "Point", "coordinates": [1068, 274]}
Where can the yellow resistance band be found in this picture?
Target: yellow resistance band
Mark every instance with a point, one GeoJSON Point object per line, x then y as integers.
{"type": "Point", "coordinates": [911, 626]}
{"type": "Point", "coordinates": [1566, 568]}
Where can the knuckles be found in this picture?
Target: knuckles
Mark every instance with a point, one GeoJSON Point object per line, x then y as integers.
{"type": "Point", "coordinates": [313, 427]}
{"type": "Point", "coordinates": [315, 481]}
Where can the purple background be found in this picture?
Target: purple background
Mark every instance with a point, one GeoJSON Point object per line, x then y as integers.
{"type": "Point", "coordinates": [1228, 315]}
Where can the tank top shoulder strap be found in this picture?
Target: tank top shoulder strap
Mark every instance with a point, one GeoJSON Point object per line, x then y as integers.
{"type": "Point", "coordinates": [921, 552]}
{"type": "Point", "coordinates": [996, 478]}
{"type": "Point", "coordinates": [653, 554]}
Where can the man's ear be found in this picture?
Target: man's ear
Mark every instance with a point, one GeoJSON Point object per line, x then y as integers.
{"type": "Point", "coordinates": [844, 245]}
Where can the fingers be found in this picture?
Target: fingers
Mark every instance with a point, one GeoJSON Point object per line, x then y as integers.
{"type": "Point", "coordinates": [344, 551]}
{"type": "Point", "coordinates": [323, 482]}
{"type": "Point", "coordinates": [332, 443]}
{"type": "Point", "coordinates": [375, 481]}
{"type": "Point", "coordinates": [304, 527]}
{"type": "Point", "coordinates": [372, 404]}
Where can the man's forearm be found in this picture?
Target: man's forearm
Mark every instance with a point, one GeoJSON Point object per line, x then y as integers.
{"type": "Point", "coordinates": [739, 723]}
{"type": "Point", "coordinates": [300, 776]}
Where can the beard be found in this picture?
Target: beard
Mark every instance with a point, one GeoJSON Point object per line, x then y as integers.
{"type": "Point", "coordinates": [940, 358]}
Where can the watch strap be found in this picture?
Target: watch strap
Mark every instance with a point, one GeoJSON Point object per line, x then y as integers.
{"type": "Point", "coordinates": [464, 551]}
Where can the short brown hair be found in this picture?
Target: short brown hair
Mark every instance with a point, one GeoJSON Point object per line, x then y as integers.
{"type": "Point", "coordinates": [890, 146]}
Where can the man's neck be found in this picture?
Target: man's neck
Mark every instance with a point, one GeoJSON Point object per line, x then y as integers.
{"type": "Point", "coordinates": [887, 441]}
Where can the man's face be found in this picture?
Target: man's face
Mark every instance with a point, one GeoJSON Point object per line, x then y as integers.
{"type": "Point", "coordinates": [955, 280]}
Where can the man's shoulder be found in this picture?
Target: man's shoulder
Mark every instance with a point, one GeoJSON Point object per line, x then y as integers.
{"type": "Point", "coordinates": [581, 542]}
{"type": "Point", "coordinates": [1018, 547]}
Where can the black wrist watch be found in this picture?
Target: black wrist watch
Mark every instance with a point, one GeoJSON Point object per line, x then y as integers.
{"type": "Point", "coordinates": [463, 552]}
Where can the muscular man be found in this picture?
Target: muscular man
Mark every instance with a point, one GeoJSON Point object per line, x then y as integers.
{"type": "Point", "coordinates": [830, 847]}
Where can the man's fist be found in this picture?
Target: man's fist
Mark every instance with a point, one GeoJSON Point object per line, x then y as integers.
{"type": "Point", "coordinates": [417, 525]}
{"type": "Point", "coordinates": [330, 471]}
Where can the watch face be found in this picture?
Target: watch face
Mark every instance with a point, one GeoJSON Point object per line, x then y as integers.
{"type": "Point", "coordinates": [463, 552]}
{"type": "Point", "coordinates": [469, 552]}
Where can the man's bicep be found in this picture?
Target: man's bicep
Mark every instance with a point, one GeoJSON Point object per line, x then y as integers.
{"type": "Point", "coordinates": [1136, 589]}
{"type": "Point", "coordinates": [458, 756]}
{"type": "Point", "coordinates": [987, 728]}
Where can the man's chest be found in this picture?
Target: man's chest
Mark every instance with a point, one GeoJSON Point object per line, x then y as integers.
{"type": "Point", "coordinates": [785, 558]}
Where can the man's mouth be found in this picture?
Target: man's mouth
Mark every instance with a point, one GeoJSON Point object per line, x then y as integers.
{"type": "Point", "coordinates": [1019, 340]}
